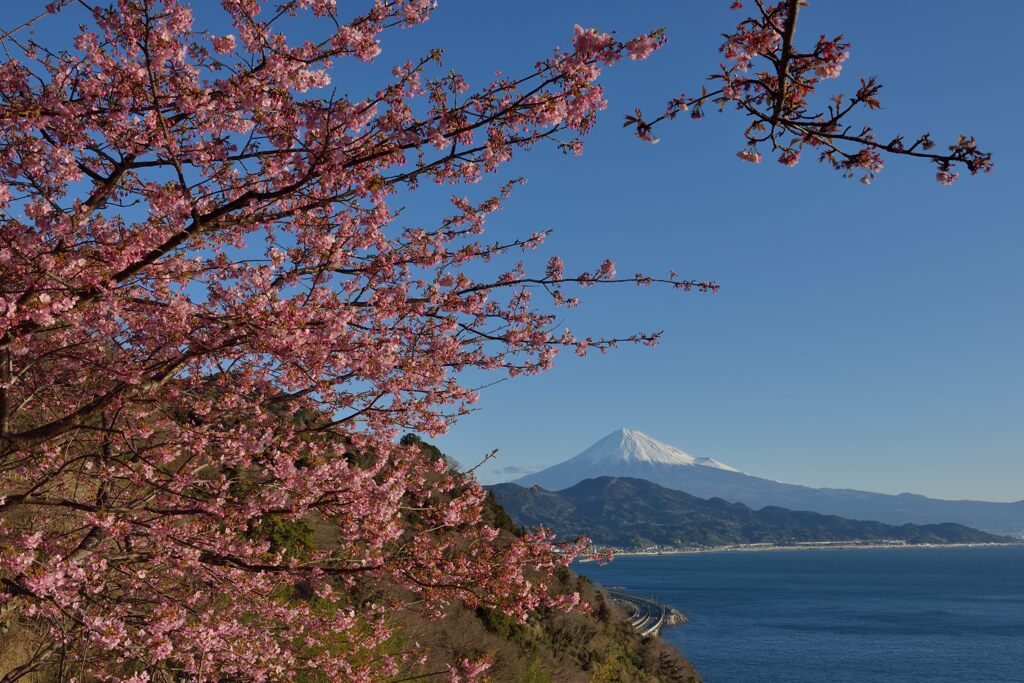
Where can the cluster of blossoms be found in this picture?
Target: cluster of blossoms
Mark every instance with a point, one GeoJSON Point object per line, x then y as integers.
{"type": "Point", "coordinates": [214, 326]}
{"type": "Point", "coordinates": [750, 155]}
{"type": "Point", "coordinates": [770, 82]}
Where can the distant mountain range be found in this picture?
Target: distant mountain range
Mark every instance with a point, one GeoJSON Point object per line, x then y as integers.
{"type": "Point", "coordinates": [628, 453]}
{"type": "Point", "coordinates": [629, 513]}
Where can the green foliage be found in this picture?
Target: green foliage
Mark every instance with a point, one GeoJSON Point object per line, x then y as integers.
{"type": "Point", "coordinates": [432, 452]}
{"type": "Point", "coordinates": [410, 439]}
{"type": "Point", "coordinates": [294, 538]}
{"type": "Point", "coordinates": [342, 644]}
{"type": "Point", "coordinates": [602, 612]}
{"type": "Point", "coordinates": [535, 672]}
{"type": "Point", "coordinates": [563, 576]}
{"type": "Point", "coordinates": [506, 627]}
{"type": "Point", "coordinates": [495, 515]}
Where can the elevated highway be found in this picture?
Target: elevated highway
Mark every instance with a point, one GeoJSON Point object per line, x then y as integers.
{"type": "Point", "coordinates": [648, 616]}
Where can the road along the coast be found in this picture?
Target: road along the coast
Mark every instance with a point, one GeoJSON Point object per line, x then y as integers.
{"type": "Point", "coordinates": [649, 616]}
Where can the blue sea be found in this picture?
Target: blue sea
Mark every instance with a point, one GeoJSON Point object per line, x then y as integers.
{"type": "Point", "coordinates": [835, 616]}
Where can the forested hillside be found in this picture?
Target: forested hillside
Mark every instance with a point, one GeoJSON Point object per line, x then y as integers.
{"type": "Point", "coordinates": [626, 512]}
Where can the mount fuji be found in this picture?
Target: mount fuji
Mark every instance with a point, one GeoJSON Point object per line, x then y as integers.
{"type": "Point", "coordinates": [629, 453]}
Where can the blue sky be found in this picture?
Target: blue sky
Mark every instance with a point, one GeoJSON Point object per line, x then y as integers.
{"type": "Point", "coordinates": [865, 337]}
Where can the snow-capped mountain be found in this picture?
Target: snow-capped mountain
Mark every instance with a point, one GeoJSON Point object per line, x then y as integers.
{"type": "Point", "coordinates": [629, 445]}
{"type": "Point", "coordinates": [629, 453]}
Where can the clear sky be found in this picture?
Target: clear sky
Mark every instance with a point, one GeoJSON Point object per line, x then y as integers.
{"type": "Point", "coordinates": [865, 337]}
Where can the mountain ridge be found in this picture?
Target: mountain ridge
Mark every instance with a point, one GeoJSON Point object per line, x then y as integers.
{"type": "Point", "coordinates": [726, 482]}
{"type": "Point", "coordinates": [627, 512]}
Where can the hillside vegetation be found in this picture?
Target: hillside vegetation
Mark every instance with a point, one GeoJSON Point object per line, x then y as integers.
{"type": "Point", "coordinates": [552, 646]}
{"type": "Point", "coordinates": [592, 642]}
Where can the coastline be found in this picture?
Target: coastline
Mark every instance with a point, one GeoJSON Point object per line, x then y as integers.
{"type": "Point", "coordinates": [767, 547]}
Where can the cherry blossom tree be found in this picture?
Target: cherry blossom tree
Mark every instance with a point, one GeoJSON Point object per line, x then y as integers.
{"type": "Point", "coordinates": [214, 325]}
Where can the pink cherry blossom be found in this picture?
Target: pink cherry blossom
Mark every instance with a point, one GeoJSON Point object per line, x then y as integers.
{"type": "Point", "coordinates": [216, 323]}
{"type": "Point", "coordinates": [641, 47]}
{"type": "Point", "coordinates": [789, 157]}
{"type": "Point", "coordinates": [223, 44]}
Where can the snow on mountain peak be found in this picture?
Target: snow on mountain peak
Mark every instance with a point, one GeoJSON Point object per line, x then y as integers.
{"type": "Point", "coordinates": [629, 445]}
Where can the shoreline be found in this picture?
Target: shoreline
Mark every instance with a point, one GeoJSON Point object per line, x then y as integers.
{"type": "Point", "coordinates": [764, 547]}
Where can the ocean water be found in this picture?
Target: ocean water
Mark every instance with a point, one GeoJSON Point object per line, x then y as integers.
{"type": "Point", "coordinates": [935, 615]}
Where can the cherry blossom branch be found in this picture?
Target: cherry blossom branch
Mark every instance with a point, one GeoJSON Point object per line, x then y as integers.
{"type": "Point", "coordinates": [778, 100]}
